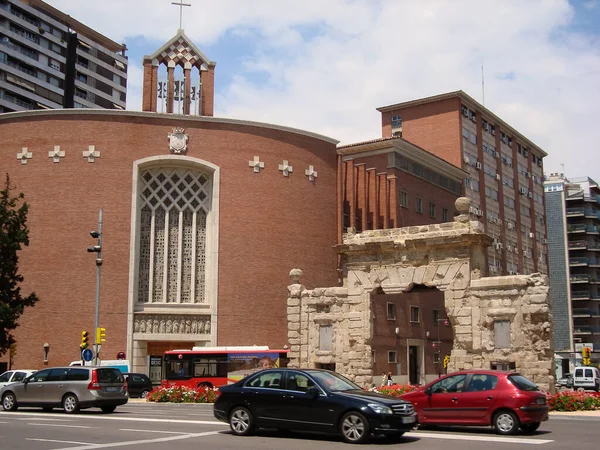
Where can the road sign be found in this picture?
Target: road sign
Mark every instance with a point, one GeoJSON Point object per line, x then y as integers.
{"type": "Point", "coordinates": [87, 354]}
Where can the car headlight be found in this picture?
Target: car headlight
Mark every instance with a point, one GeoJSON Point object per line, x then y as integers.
{"type": "Point", "coordinates": [380, 409]}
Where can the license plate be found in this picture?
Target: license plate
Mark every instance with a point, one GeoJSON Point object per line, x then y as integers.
{"type": "Point", "coordinates": [409, 419]}
{"type": "Point", "coordinates": [541, 401]}
{"type": "Point", "coordinates": [112, 389]}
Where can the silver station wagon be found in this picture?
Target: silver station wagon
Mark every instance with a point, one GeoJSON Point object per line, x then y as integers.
{"type": "Point", "coordinates": [69, 388]}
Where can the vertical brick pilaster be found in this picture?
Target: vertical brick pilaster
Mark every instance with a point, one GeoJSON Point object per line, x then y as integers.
{"type": "Point", "coordinates": [170, 89]}
{"type": "Point", "coordinates": [188, 87]}
{"type": "Point", "coordinates": [352, 192]}
{"type": "Point", "coordinates": [208, 91]}
{"type": "Point", "coordinates": [149, 87]}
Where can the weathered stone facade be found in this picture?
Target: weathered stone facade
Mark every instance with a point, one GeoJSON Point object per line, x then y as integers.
{"type": "Point", "coordinates": [335, 325]}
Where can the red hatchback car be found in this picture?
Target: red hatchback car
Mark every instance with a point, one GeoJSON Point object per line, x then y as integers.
{"type": "Point", "coordinates": [505, 400]}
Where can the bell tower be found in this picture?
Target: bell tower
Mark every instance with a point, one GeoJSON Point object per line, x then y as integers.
{"type": "Point", "coordinates": [191, 94]}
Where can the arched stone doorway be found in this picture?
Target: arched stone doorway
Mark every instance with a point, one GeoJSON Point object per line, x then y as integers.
{"type": "Point", "coordinates": [497, 322]}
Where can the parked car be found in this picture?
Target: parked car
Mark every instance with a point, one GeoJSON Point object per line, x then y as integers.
{"type": "Point", "coordinates": [10, 376]}
{"type": "Point", "coordinates": [70, 388]}
{"type": "Point", "coordinates": [311, 400]}
{"type": "Point", "coordinates": [566, 381]}
{"type": "Point", "coordinates": [505, 400]}
{"type": "Point", "coordinates": [586, 378]}
{"type": "Point", "coordinates": [138, 384]}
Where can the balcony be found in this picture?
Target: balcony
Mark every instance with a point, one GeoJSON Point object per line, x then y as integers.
{"type": "Point", "coordinates": [579, 279]}
{"type": "Point", "coordinates": [582, 312]}
{"type": "Point", "coordinates": [30, 53]}
{"type": "Point", "coordinates": [580, 295]}
{"type": "Point", "coordinates": [586, 329]}
{"type": "Point", "coordinates": [33, 22]}
{"type": "Point", "coordinates": [576, 228]}
{"type": "Point", "coordinates": [578, 245]}
{"type": "Point", "coordinates": [26, 34]}
{"type": "Point", "coordinates": [575, 212]}
{"type": "Point", "coordinates": [16, 101]}
{"type": "Point", "coordinates": [21, 68]}
{"type": "Point", "coordinates": [575, 196]}
{"type": "Point", "coordinates": [578, 262]}
{"type": "Point", "coordinates": [591, 214]}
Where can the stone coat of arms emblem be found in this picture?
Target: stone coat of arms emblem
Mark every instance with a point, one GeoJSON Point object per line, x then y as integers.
{"type": "Point", "coordinates": [178, 141]}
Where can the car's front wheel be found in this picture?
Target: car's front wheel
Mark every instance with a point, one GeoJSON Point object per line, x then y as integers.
{"type": "Point", "coordinates": [9, 402]}
{"type": "Point", "coordinates": [241, 421]}
{"type": "Point", "coordinates": [354, 427]}
{"type": "Point", "coordinates": [70, 404]}
{"type": "Point", "coordinates": [506, 422]}
{"type": "Point", "coordinates": [530, 427]}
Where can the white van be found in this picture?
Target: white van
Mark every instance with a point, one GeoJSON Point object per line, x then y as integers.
{"type": "Point", "coordinates": [586, 378]}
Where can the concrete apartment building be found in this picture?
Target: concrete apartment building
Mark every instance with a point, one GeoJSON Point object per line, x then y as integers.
{"type": "Point", "coordinates": [573, 215]}
{"type": "Point", "coordinates": [504, 172]}
{"type": "Point", "coordinates": [48, 60]}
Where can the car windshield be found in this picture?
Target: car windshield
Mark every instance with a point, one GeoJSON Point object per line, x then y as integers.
{"type": "Point", "coordinates": [522, 383]}
{"type": "Point", "coordinates": [333, 381]}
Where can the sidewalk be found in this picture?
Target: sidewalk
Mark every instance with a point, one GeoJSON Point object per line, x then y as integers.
{"type": "Point", "coordinates": [576, 413]}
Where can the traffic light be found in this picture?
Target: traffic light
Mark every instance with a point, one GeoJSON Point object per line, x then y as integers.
{"type": "Point", "coordinates": [85, 337]}
{"type": "Point", "coordinates": [446, 361]}
{"type": "Point", "coordinates": [586, 354]}
{"type": "Point", "coordinates": [13, 350]}
{"type": "Point", "coordinates": [100, 335]}
{"type": "Point", "coordinates": [96, 248]}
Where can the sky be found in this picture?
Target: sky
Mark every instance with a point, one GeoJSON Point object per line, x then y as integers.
{"type": "Point", "coordinates": [325, 65]}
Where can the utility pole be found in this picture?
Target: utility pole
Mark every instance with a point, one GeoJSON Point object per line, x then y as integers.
{"type": "Point", "coordinates": [97, 249]}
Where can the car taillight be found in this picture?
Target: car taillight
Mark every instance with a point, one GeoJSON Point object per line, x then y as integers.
{"type": "Point", "coordinates": [94, 385]}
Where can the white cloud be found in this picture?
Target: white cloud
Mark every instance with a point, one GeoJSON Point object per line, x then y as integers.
{"type": "Point", "coordinates": [328, 64]}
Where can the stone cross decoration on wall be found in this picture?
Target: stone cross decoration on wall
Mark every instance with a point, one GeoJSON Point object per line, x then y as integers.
{"type": "Point", "coordinates": [24, 155]}
{"type": "Point", "coordinates": [311, 173]}
{"type": "Point", "coordinates": [257, 164]}
{"type": "Point", "coordinates": [56, 154]}
{"type": "Point", "coordinates": [91, 154]}
{"type": "Point", "coordinates": [285, 168]}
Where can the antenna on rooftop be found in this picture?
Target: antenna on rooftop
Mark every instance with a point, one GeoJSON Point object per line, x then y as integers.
{"type": "Point", "coordinates": [482, 84]}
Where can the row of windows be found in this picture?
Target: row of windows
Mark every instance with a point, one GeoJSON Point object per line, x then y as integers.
{"type": "Point", "coordinates": [469, 136]}
{"type": "Point", "coordinates": [408, 165]}
{"type": "Point", "coordinates": [414, 313]}
{"type": "Point", "coordinates": [419, 206]}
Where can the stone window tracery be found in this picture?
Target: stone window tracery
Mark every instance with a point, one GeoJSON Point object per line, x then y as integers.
{"type": "Point", "coordinates": [172, 236]}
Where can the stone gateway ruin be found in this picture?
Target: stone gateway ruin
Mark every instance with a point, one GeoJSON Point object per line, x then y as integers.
{"type": "Point", "coordinates": [500, 322]}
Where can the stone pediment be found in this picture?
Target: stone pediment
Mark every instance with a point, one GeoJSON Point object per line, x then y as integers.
{"type": "Point", "coordinates": [180, 50]}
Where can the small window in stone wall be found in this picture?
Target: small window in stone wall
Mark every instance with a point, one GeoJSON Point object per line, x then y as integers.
{"type": "Point", "coordinates": [392, 358]}
{"type": "Point", "coordinates": [414, 314]}
{"type": "Point", "coordinates": [502, 334]}
{"type": "Point", "coordinates": [326, 338]}
{"type": "Point", "coordinates": [436, 358]}
{"type": "Point", "coordinates": [391, 311]}
{"type": "Point", "coordinates": [373, 355]}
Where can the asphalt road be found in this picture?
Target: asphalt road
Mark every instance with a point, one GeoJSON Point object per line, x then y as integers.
{"type": "Point", "coordinates": [151, 426]}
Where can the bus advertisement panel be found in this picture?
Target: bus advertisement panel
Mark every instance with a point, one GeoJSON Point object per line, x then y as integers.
{"type": "Point", "coordinates": [243, 364]}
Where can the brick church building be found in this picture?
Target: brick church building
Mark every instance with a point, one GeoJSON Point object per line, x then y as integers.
{"type": "Point", "coordinates": [202, 217]}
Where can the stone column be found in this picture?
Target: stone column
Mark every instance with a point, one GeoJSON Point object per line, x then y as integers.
{"type": "Point", "coordinates": [294, 314]}
{"type": "Point", "coordinates": [170, 88]}
{"type": "Point", "coordinates": [187, 73]}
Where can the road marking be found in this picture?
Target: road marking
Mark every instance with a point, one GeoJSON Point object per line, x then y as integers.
{"type": "Point", "coordinates": [143, 441]}
{"type": "Point", "coordinates": [59, 425]}
{"type": "Point", "coordinates": [463, 437]}
{"type": "Point", "coordinates": [62, 442]}
{"type": "Point", "coordinates": [121, 417]}
{"type": "Point", "coordinates": [47, 419]}
{"type": "Point", "coordinates": [153, 431]}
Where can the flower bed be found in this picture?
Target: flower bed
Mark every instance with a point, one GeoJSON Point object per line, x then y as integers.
{"type": "Point", "coordinates": [574, 401]}
{"type": "Point", "coordinates": [182, 394]}
{"type": "Point", "coordinates": [561, 401]}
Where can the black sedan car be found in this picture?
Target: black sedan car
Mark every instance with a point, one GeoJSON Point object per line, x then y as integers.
{"type": "Point", "coordinates": [311, 400]}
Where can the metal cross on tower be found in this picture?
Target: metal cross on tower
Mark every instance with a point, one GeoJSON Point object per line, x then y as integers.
{"type": "Point", "coordinates": [181, 5]}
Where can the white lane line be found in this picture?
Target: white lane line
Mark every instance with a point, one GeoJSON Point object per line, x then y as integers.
{"type": "Point", "coordinates": [59, 425]}
{"type": "Point", "coordinates": [458, 437]}
{"type": "Point", "coordinates": [143, 441]}
{"type": "Point", "coordinates": [46, 419]}
{"type": "Point", "coordinates": [62, 442]}
{"type": "Point", "coordinates": [129, 419]}
{"type": "Point", "coordinates": [153, 431]}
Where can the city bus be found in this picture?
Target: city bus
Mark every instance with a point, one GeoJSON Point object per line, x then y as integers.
{"type": "Point", "coordinates": [217, 366]}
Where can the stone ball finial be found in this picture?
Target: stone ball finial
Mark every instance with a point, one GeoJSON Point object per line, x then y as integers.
{"type": "Point", "coordinates": [462, 205]}
{"type": "Point", "coordinates": [295, 275]}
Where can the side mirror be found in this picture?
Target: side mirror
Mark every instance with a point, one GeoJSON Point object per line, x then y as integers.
{"type": "Point", "coordinates": [313, 391]}
{"type": "Point", "coordinates": [427, 391]}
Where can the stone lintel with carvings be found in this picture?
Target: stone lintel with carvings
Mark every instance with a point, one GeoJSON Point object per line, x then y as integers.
{"type": "Point", "coordinates": [169, 326]}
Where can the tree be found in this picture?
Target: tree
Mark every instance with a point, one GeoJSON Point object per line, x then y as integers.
{"type": "Point", "coordinates": [13, 235]}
